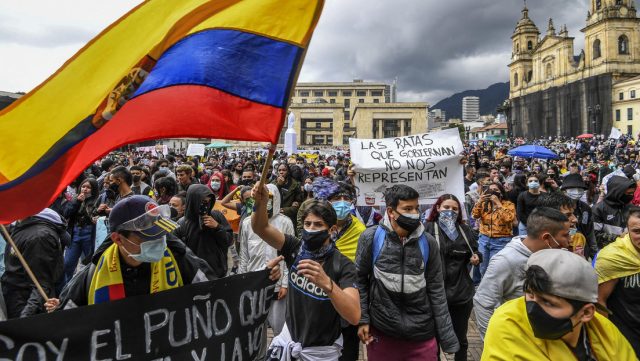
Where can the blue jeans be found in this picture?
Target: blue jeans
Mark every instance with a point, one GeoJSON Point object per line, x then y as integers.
{"type": "Point", "coordinates": [522, 229]}
{"type": "Point", "coordinates": [82, 243]}
{"type": "Point", "coordinates": [488, 247]}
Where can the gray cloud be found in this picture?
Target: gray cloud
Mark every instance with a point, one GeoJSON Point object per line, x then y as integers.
{"type": "Point", "coordinates": [43, 36]}
{"type": "Point", "coordinates": [434, 47]}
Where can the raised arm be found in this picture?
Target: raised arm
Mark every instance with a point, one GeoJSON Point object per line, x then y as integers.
{"type": "Point", "coordinates": [260, 219]}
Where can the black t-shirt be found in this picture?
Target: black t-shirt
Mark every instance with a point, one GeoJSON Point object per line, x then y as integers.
{"type": "Point", "coordinates": [624, 303]}
{"type": "Point", "coordinates": [583, 351]}
{"type": "Point", "coordinates": [311, 318]}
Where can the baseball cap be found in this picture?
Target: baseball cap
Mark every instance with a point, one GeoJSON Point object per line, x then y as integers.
{"type": "Point", "coordinates": [142, 215]}
{"type": "Point", "coordinates": [570, 275]}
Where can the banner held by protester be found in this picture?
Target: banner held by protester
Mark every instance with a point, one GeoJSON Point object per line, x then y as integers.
{"type": "Point", "coordinates": [222, 320]}
{"type": "Point", "coordinates": [429, 163]}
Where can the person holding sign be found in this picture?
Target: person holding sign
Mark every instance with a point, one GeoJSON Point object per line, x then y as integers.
{"type": "Point", "coordinates": [322, 284]}
{"type": "Point", "coordinates": [402, 297]}
{"type": "Point", "coordinates": [141, 258]}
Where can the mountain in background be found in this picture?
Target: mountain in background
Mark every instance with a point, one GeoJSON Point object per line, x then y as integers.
{"type": "Point", "coordinates": [490, 98]}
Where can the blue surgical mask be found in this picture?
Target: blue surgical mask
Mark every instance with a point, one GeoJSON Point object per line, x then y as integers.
{"type": "Point", "coordinates": [534, 185]}
{"type": "Point", "coordinates": [342, 208]}
{"type": "Point", "coordinates": [573, 231]}
{"type": "Point", "coordinates": [150, 251]}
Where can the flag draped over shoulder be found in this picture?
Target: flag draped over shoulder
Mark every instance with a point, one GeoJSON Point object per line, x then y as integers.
{"type": "Point", "coordinates": [189, 68]}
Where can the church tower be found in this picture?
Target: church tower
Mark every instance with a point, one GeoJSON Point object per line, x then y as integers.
{"type": "Point", "coordinates": [525, 39]}
{"type": "Point", "coordinates": [612, 37]}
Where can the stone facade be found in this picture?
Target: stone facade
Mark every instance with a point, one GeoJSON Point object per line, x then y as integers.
{"type": "Point", "coordinates": [555, 92]}
{"type": "Point", "coordinates": [375, 121]}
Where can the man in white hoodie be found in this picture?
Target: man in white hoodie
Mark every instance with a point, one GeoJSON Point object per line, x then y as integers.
{"type": "Point", "coordinates": [547, 228]}
{"type": "Point", "coordinates": [255, 253]}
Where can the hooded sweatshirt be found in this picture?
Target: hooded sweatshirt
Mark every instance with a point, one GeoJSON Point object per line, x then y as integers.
{"type": "Point", "coordinates": [254, 252]}
{"type": "Point", "coordinates": [207, 243]}
{"type": "Point", "coordinates": [501, 282]}
{"type": "Point", "coordinates": [609, 216]}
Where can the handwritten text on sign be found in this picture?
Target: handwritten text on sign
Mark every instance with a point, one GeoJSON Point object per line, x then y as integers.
{"type": "Point", "coordinates": [216, 320]}
{"type": "Point", "coordinates": [429, 163]}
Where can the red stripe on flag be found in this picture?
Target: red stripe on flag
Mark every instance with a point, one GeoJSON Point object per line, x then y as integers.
{"type": "Point", "coordinates": [180, 111]}
{"type": "Point", "coordinates": [116, 292]}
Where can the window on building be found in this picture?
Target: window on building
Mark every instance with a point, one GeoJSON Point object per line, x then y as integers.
{"type": "Point", "coordinates": [517, 47]}
{"type": "Point", "coordinates": [318, 93]}
{"type": "Point", "coordinates": [407, 127]}
{"type": "Point", "coordinates": [347, 103]}
{"type": "Point", "coordinates": [346, 93]}
{"type": "Point", "coordinates": [318, 125]}
{"type": "Point", "coordinates": [623, 44]}
{"type": "Point", "coordinates": [347, 116]}
{"type": "Point", "coordinates": [632, 94]}
{"type": "Point", "coordinates": [361, 93]}
{"type": "Point", "coordinates": [529, 76]}
{"type": "Point", "coordinates": [304, 100]}
{"type": "Point", "coordinates": [629, 113]}
{"type": "Point", "coordinates": [621, 96]}
{"type": "Point", "coordinates": [618, 2]}
{"type": "Point", "coordinates": [376, 93]}
{"type": "Point", "coordinates": [529, 45]}
{"type": "Point", "coordinates": [360, 101]}
{"type": "Point", "coordinates": [304, 93]}
{"type": "Point", "coordinates": [332, 101]}
{"type": "Point", "coordinates": [596, 49]}
{"type": "Point", "coordinates": [549, 71]}
{"type": "Point", "coordinates": [376, 100]}
{"type": "Point", "coordinates": [515, 79]}
{"type": "Point", "coordinates": [598, 4]}
{"type": "Point", "coordinates": [333, 93]}
{"type": "Point", "coordinates": [618, 116]}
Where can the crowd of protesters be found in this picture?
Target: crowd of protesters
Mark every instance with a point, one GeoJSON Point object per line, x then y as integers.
{"type": "Point", "coordinates": [545, 253]}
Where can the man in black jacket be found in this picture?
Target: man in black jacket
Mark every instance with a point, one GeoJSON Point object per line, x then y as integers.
{"type": "Point", "coordinates": [38, 239]}
{"type": "Point", "coordinates": [205, 231]}
{"type": "Point", "coordinates": [610, 215]}
{"type": "Point", "coordinates": [574, 187]}
{"type": "Point", "coordinates": [402, 297]}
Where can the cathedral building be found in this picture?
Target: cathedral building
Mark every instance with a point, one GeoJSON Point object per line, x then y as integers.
{"type": "Point", "coordinates": [553, 90]}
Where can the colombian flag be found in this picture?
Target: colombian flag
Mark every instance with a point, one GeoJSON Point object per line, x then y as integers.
{"type": "Point", "coordinates": [169, 68]}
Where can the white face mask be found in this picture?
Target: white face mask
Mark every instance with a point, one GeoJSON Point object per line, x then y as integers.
{"type": "Point", "coordinates": [215, 186]}
{"type": "Point", "coordinates": [575, 193]}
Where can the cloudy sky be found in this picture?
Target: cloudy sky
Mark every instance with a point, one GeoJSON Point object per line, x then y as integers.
{"type": "Point", "coordinates": [434, 47]}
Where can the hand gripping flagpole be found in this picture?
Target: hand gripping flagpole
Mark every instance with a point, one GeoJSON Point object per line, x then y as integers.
{"type": "Point", "coordinates": [265, 169]}
{"type": "Point", "coordinates": [15, 249]}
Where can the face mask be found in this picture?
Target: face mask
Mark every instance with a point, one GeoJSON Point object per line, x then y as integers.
{"type": "Point", "coordinates": [270, 205]}
{"type": "Point", "coordinates": [308, 187]}
{"type": "Point", "coordinates": [164, 169]}
{"type": "Point", "coordinates": [626, 198]}
{"type": "Point", "coordinates": [408, 222]}
{"type": "Point", "coordinates": [246, 182]}
{"type": "Point", "coordinates": [115, 188]}
{"type": "Point", "coordinates": [573, 231]}
{"type": "Point", "coordinates": [342, 208]}
{"type": "Point", "coordinates": [546, 326]}
{"type": "Point", "coordinates": [534, 185]}
{"type": "Point", "coordinates": [575, 193]}
{"type": "Point", "coordinates": [448, 215]}
{"type": "Point", "coordinates": [215, 186]}
{"type": "Point", "coordinates": [556, 242]}
{"type": "Point", "coordinates": [314, 239]}
{"type": "Point", "coordinates": [150, 251]}
{"type": "Point", "coordinates": [136, 178]}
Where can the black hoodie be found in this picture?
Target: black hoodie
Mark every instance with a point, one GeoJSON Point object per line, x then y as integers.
{"type": "Point", "coordinates": [209, 244]}
{"type": "Point", "coordinates": [610, 215]}
{"type": "Point", "coordinates": [39, 241]}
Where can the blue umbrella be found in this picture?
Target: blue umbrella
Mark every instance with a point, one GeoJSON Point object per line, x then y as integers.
{"type": "Point", "coordinates": [533, 151]}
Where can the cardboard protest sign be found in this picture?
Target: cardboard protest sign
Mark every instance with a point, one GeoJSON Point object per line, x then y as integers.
{"type": "Point", "coordinates": [221, 320]}
{"type": "Point", "coordinates": [429, 163]}
{"type": "Point", "coordinates": [195, 149]}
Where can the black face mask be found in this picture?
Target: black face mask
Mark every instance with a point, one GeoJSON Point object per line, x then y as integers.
{"type": "Point", "coordinates": [115, 188]}
{"type": "Point", "coordinates": [627, 198]}
{"type": "Point", "coordinates": [136, 178]}
{"type": "Point", "coordinates": [407, 223]}
{"type": "Point", "coordinates": [246, 182]}
{"type": "Point", "coordinates": [314, 240]}
{"type": "Point", "coordinates": [546, 326]}
{"type": "Point", "coordinates": [205, 208]}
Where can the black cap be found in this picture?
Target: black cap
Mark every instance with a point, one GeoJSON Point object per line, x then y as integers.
{"type": "Point", "coordinates": [573, 181]}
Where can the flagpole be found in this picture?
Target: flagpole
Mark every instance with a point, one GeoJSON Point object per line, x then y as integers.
{"type": "Point", "coordinates": [7, 236]}
{"type": "Point", "coordinates": [265, 168]}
